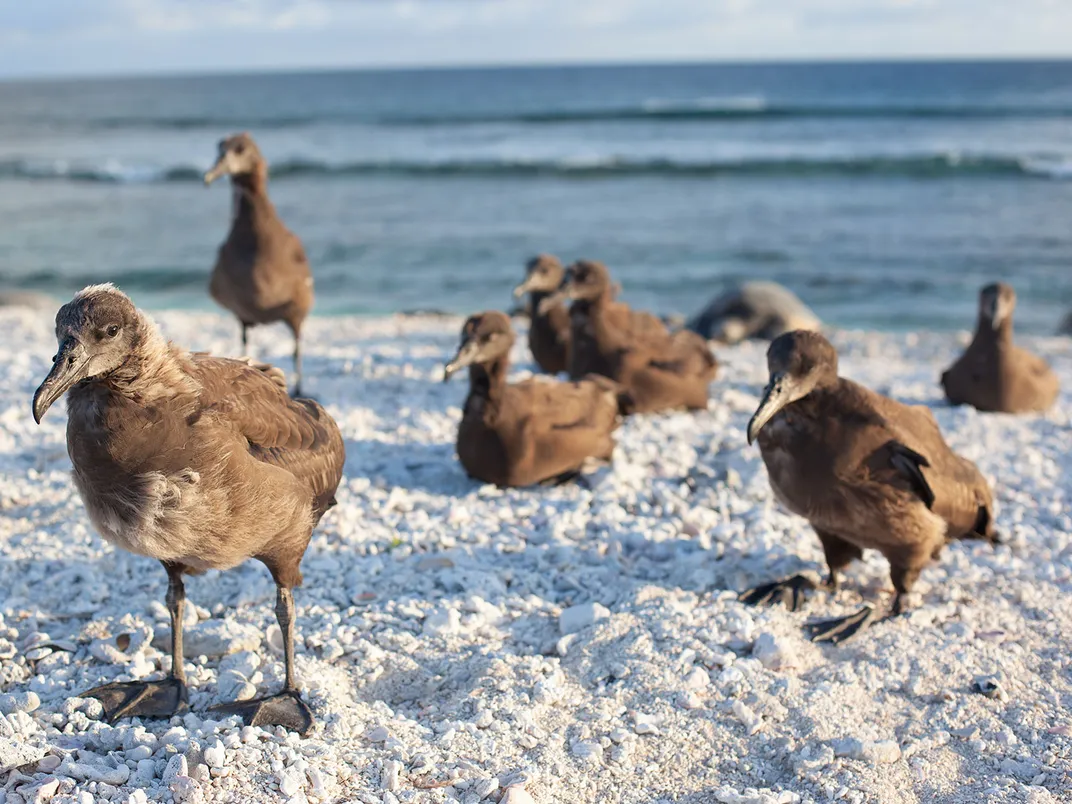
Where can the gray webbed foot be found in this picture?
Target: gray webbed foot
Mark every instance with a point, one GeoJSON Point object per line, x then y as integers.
{"type": "Point", "coordinates": [789, 591]}
{"type": "Point", "coordinates": [156, 700]}
{"type": "Point", "coordinates": [564, 479]}
{"type": "Point", "coordinates": [285, 709]}
{"type": "Point", "coordinates": [840, 630]}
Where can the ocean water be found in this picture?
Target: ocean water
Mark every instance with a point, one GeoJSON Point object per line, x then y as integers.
{"type": "Point", "coordinates": [885, 195]}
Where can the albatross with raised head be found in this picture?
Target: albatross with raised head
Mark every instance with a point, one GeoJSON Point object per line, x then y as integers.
{"type": "Point", "coordinates": [196, 461]}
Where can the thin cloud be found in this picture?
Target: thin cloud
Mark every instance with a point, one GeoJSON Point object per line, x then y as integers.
{"type": "Point", "coordinates": [199, 35]}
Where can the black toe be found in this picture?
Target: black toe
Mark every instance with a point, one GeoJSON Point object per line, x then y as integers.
{"type": "Point", "coordinates": [156, 700]}
{"type": "Point", "coordinates": [285, 709]}
{"type": "Point", "coordinates": [840, 630]}
{"type": "Point", "coordinates": [790, 592]}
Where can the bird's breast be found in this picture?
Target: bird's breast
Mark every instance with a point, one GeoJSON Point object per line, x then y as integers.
{"type": "Point", "coordinates": [129, 468]}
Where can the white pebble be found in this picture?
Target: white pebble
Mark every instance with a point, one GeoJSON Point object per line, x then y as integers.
{"type": "Point", "coordinates": [19, 702]}
{"type": "Point", "coordinates": [577, 618]}
{"type": "Point", "coordinates": [290, 782]}
{"type": "Point", "coordinates": [588, 750]}
{"type": "Point", "coordinates": [215, 755]}
{"type": "Point", "coordinates": [389, 779]}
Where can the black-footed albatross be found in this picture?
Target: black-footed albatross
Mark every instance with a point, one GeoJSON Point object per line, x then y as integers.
{"type": "Point", "coordinates": [525, 433]}
{"type": "Point", "coordinates": [261, 273]}
{"type": "Point", "coordinates": [549, 327]}
{"type": "Point", "coordinates": [199, 462]}
{"type": "Point", "coordinates": [656, 370]}
{"type": "Point", "coordinates": [864, 470]}
{"type": "Point", "coordinates": [993, 374]}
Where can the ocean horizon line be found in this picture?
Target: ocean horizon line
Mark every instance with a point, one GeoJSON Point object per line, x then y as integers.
{"type": "Point", "coordinates": [549, 66]}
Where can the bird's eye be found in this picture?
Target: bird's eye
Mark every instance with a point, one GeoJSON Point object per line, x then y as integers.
{"type": "Point", "coordinates": [113, 330]}
{"type": "Point", "coordinates": [239, 149]}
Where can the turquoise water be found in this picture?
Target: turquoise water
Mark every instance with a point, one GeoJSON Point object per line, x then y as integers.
{"type": "Point", "coordinates": [885, 195]}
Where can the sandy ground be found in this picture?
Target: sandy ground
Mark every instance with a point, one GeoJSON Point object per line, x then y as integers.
{"type": "Point", "coordinates": [583, 645]}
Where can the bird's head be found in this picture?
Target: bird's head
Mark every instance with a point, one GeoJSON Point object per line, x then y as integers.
{"type": "Point", "coordinates": [485, 337]}
{"type": "Point", "coordinates": [543, 274]}
{"type": "Point", "coordinates": [238, 157]}
{"type": "Point", "coordinates": [585, 280]}
{"type": "Point", "coordinates": [798, 362]}
{"type": "Point", "coordinates": [996, 303]}
{"type": "Point", "coordinates": [97, 331]}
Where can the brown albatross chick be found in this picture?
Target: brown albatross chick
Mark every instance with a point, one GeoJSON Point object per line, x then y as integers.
{"type": "Point", "coordinates": [261, 273]}
{"type": "Point", "coordinates": [993, 375]}
{"type": "Point", "coordinates": [197, 461]}
{"type": "Point", "coordinates": [864, 470]}
{"type": "Point", "coordinates": [549, 327]}
{"type": "Point", "coordinates": [525, 433]}
{"type": "Point", "coordinates": [657, 370]}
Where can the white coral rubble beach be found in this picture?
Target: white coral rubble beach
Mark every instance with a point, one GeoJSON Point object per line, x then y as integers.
{"type": "Point", "coordinates": [569, 644]}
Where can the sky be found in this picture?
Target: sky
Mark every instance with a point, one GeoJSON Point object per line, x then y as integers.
{"type": "Point", "coordinates": [74, 37]}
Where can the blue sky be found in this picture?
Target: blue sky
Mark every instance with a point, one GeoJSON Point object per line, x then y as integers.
{"type": "Point", "coordinates": [60, 37]}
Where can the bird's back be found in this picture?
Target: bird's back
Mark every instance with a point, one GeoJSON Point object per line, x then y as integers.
{"type": "Point", "coordinates": [296, 435]}
{"type": "Point", "coordinates": [537, 429]}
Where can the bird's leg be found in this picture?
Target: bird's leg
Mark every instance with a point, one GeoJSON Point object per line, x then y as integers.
{"type": "Point", "coordinates": [839, 553]}
{"type": "Point", "coordinates": [843, 629]}
{"type": "Point", "coordinates": [286, 708]}
{"type": "Point", "coordinates": [153, 699]}
{"type": "Point", "coordinates": [245, 339]}
{"type": "Point", "coordinates": [904, 578]}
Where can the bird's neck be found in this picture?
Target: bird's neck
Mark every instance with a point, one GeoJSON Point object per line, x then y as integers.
{"type": "Point", "coordinates": [593, 308]}
{"type": "Point", "coordinates": [488, 380]}
{"type": "Point", "coordinates": [154, 370]}
{"type": "Point", "coordinates": [536, 297]}
{"type": "Point", "coordinates": [251, 200]}
{"type": "Point", "coordinates": [985, 332]}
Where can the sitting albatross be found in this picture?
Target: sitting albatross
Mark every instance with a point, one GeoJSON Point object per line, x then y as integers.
{"type": "Point", "coordinates": [549, 326]}
{"type": "Point", "coordinates": [656, 369]}
{"type": "Point", "coordinates": [864, 470]}
{"type": "Point", "coordinates": [994, 375]}
{"type": "Point", "coordinates": [261, 273]}
{"type": "Point", "coordinates": [525, 433]}
{"type": "Point", "coordinates": [197, 461]}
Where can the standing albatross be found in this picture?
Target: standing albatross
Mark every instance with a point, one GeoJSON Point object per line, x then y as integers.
{"type": "Point", "coordinates": [199, 462]}
{"type": "Point", "coordinates": [864, 470]}
{"type": "Point", "coordinates": [261, 273]}
{"type": "Point", "coordinates": [993, 374]}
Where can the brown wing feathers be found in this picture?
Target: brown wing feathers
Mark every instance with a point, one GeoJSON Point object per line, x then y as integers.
{"type": "Point", "coordinates": [293, 434]}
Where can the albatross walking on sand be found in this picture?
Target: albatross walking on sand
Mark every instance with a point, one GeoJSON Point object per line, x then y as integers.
{"type": "Point", "coordinates": [197, 461]}
{"type": "Point", "coordinates": [261, 273]}
{"type": "Point", "coordinates": [864, 470]}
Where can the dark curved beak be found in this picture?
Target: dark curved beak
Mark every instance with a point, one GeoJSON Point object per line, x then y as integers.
{"type": "Point", "coordinates": [468, 353]}
{"type": "Point", "coordinates": [775, 397]}
{"type": "Point", "coordinates": [219, 169]}
{"type": "Point", "coordinates": [523, 288]}
{"type": "Point", "coordinates": [68, 367]}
